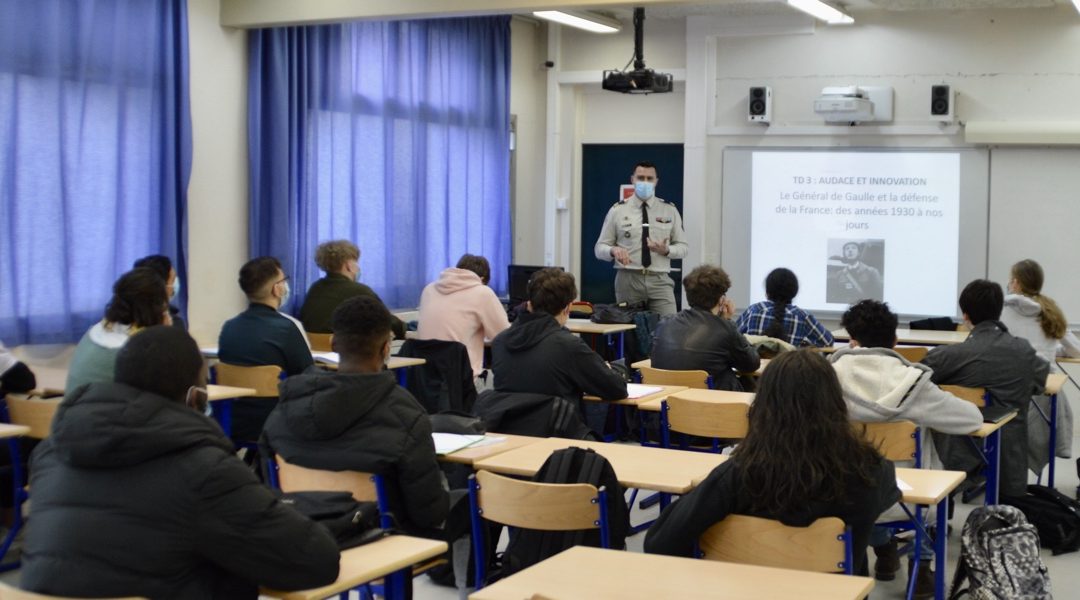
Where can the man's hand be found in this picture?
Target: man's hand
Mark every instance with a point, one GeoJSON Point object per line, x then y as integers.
{"type": "Point", "coordinates": [659, 247]}
{"type": "Point", "coordinates": [620, 254]}
{"type": "Point", "coordinates": [727, 308]}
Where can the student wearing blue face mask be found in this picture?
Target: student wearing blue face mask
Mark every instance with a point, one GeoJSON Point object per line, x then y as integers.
{"type": "Point", "coordinates": [642, 235]}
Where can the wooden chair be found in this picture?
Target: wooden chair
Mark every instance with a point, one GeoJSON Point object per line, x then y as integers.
{"type": "Point", "coordinates": [899, 440]}
{"type": "Point", "coordinates": [691, 379]}
{"type": "Point", "coordinates": [35, 413]}
{"type": "Point", "coordinates": [320, 342]}
{"type": "Point", "coordinates": [823, 546]}
{"type": "Point", "coordinates": [912, 353]}
{"type": "Point", "coordinates": [364, 487]}
{"type": "Point", "coordinates": [974, 395]}
{"type": "Point", "coordinates": [715, 420]}
{"type": "Point", "coordinates": [530, 505]}
{"type": "Point", "coordinates": [264, 379]}
{"type": "Point", "coordinates": [582, 307]}
{"type": "Point", "coordinates": [8, 592]}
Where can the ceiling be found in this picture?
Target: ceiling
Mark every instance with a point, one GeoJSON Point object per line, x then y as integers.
{"type": "Point", "coordinates": [766, 7]}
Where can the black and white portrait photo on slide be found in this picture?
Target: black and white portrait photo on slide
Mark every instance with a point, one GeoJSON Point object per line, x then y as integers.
{"type": "Point", "coordinates": [855, 270]}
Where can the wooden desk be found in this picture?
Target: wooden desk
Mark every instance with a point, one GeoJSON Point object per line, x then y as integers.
{"type": "Point", "coordinates": [917, 337]}
{"type": "Point", "coordinates": [227, 392]}
{"type": "Point", "coordinates": [607, 330]}
{"type": "Point", "coordinates": [470, 455]}
{"type": "Point", "coordinates": [667, 471]}
{"type": "Point", "coordinates": [392, 556]}
{"type": "Point", "coordinates": [7, 430]}
{"type": "Point", "coordinates": [931, 488]}
{"type": "Point", "coordinates": [582, 573]}
{"type": "Point", "coordinates": [329, 361]}
{"type": "Point", "coordinates": [644, 400]}
{"type": "Point", "coordinates": [990, 433]}
{"type": "Point", "coordinates": [648, 363]}
{"type": "Point", "coordinates": [716, 396]}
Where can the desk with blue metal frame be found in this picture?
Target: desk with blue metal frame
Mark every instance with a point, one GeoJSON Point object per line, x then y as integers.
{"type": "Point", "coordinates": [1054, 383]}
{"type": "Point", "coordinates": [916, 337]}
{"type": "Point", "coordinates": [609, 331]}
{"type": "Point", "coordinates": [648, 399]}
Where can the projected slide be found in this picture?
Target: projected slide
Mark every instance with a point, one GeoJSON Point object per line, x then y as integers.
{"type": "Point", "coordinates": [854, 225]}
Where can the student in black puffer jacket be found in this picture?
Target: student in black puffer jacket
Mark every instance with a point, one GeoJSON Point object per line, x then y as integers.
{"type": "Point", "coordinates": [137, 494]}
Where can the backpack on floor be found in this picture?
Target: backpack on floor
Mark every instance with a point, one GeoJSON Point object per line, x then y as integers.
{"type": "Point", "coordinates": [1055, 515]}
{"type": "Point", "coordinates": [999, 558]}
{"type": "Point", "coordinates": [571, 465]}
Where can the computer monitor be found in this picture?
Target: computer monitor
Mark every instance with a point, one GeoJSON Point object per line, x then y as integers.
{"type": "Point", "coordinates": [518, 277]}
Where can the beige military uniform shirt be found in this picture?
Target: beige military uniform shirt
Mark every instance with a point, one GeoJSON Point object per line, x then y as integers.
{"type": "Point", "coordinates": [622, 227]}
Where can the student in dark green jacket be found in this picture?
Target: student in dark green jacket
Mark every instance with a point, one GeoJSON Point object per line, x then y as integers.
{"type": "Point", "coordinates": [341, 261]}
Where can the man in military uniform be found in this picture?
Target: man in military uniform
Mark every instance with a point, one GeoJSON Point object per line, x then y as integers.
{"type": "Point", "coordinates": [642, 235]}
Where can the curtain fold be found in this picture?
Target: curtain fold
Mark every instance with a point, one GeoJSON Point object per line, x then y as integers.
{"type": "Point", "coordinates": [393, 135]}
{"type": "Point", "coordinates": [95, 155]}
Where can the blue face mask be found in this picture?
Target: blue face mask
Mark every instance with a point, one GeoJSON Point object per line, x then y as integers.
{"type": "Point", "coordinates": [644, 189]}
{"type": "Point", "coordinates": [175, 288]}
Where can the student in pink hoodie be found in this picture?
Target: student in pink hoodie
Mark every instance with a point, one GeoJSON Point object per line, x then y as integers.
{"type": "Point", "coordinates": [460, 307]}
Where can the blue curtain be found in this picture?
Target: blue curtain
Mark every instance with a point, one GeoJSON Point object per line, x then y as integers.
{"type": "Point", "coordinates": [95, 153]}
{"type": "Point", "coordinates": [393, 135]}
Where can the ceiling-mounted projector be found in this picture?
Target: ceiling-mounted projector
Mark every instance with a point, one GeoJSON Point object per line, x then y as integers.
{"type": "Point", "coordinates": [640, 80]}
{"type": "Point", "coordinates": [854, 104]}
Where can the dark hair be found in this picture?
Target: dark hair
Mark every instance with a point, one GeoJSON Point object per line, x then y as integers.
{"type": "Point", "coordinates": [982, 300]}
{"type": "Point", "coordinates": [139, 298]}
{"type": "Point", "coordinates": [256, 273]}
{"type": "Point", "coordinates": [781, 286]}
{"type": "Point", "coordinates": [550, 290]}
{"type": "Point", "coordinates": [704, 286]}
{"type": "Point", "coordinates": [162, 360]}
{"type": "Point", "coordinates": [871, 323]}
{"type": "Point", "coordinates": [646, 165]}
{"type": "Point", "coordinates": [158, 262]}
{"type": "Point", "coordinates": [361, 327]}
{"type": "Point", "coordinates": [476, 264]}
{"type": "Point", "coordinates": [800, 445]}
{"type": "Point", "coordinates": [1029, 276]}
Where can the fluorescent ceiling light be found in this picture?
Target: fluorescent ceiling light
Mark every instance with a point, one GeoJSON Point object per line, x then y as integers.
{"type": "Point", "coordinates": [1076, 3]}
{"type": "Point", "coordinates": [824, 12]}
{"type": "Point", "coordinates": [582, 20]}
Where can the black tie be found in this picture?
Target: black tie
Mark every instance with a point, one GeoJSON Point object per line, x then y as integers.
{"type": "Point", "coordinates": [646, 256]}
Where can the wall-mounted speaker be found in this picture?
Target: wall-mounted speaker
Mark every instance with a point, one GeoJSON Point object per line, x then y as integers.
{"type": "Point", "coordinates": [942, 104]}
{"type": "Point", "coordinates": [759, 105]}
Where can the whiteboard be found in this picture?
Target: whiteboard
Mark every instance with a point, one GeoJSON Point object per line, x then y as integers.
{"type": "Point", "coordinates": [1035, 213]}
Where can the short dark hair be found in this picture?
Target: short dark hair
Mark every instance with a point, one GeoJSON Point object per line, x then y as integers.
{"type": "Point", "coordinates": [705, 285]}
{"type": "Point", "coordinates": [476, 264]}
{"type": "Point", "coordinates": [139, 298]}
{"type": "Point", "coordinates": [551, 290]}
{"type": "Point", "coordinates": [871, 323]}
{"type": "Point", "coordinates": [162, 360]}
{"type": "Point", "coordinates": [361, 325]}
{"type": "Point", "coordinates": [256, 272]}
{"type": "Point", "coordinates": [646, 165]}
{"type": "Point", "coordinates": [982, 300]}
{"type": "Point", "coordinates": [160, 263]}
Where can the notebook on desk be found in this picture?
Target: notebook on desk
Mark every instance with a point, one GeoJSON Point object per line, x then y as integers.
{"type": "Point", "coordinates": [996, 413]}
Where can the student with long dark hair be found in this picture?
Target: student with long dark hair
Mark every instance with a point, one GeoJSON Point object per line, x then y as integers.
{"type": "Point", "coordinates": [777, 317]}
{"type": "Point", "coordinates": [801, 460]}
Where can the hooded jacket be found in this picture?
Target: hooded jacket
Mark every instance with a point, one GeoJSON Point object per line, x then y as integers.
{"type": "Point", "coordinates": [539, 356]}
{"type": "Point", "coordinates": [136, 495]}
{"type": "Point", "coordinates": [1021, 316]}
{"type": "Point", "coordinates": [362, 422]}
{"type": "Point", "coordinates": [460, 308]}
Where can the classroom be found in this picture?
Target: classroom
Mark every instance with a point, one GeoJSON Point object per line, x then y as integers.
{"type": "Point", "coordinates": [1011, 67]}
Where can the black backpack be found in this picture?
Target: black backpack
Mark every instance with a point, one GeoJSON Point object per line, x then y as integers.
{"type": "Point", "coordinates": [351, 522]}
{"type": "Point", "coordinates": [571, 465]}
{"type": "Point", "coordinates": [1055, 515]}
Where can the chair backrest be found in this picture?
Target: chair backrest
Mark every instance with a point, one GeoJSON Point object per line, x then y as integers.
{"type": "Point", "coordinates": [974, 395]}
{"type": "Point", "coordinates": [543, 506]}
{"type": "Point", "coordinates": [580, 306]}
{"type": "Point", "coordinates": [691, 379]}
{"type": "Point", "coordinates": [912, 353]}
{"type": "Point", "coordinates": [728, 420]}
{"type": "Point", "coordinates": [895, 441]}
{"type": "Point", "coordinates": [8, 592]}
{"type": "Point", "coordinates": [294, 478]}
{"type": "Point", "coordinates": [35, 413]}
{"type": "Point", "coordinates": [823, 546]}
{"type": "Point", "coordinates": [264, 379]}
{"type": "Point", "coordinates": [320, 342]}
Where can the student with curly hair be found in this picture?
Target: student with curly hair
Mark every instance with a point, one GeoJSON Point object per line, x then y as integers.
{"type": "Point", "coordinates": [340, 259]}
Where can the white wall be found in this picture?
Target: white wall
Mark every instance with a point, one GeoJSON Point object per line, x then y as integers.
{"type": "Point", "coordinates": [528, 80]}
{"type": "Point", "coordinates": [218, 191]}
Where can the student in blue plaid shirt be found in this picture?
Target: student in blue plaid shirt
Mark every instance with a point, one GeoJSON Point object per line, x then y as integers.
{"type": "Point", "coordinates": [796, 326]}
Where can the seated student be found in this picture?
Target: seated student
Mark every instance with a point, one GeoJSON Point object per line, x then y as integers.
{"type": "Point", "coordinates": [777, 317]}
{"type": "Point", "coordinates": [15, 376]}
{"type": "Point", "coordinates": [359, 419]}
{"type": "Point", "coordinates": [138, 493]}
{"type": "Point", "coordinates": [460, 307]}
{"type": "Point", "coordinates": [1009, 369]}
{"type": "Point", "coordinates": [261, 335]}
{"type": "Point", "coordinates": [341, 261]}
{"type": "Point", "coordinates": [795, 474]}
{"type": "Point", "coordinates": [163, 267]}
{"type": "Point", "coordinates": [139, 300]}
{"type": "Point", "coordinates": [879, 385]}
{"type": "Point", "coordinates": [537, 354]}
{"type": "Point", "coordinates": [703, 336]}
